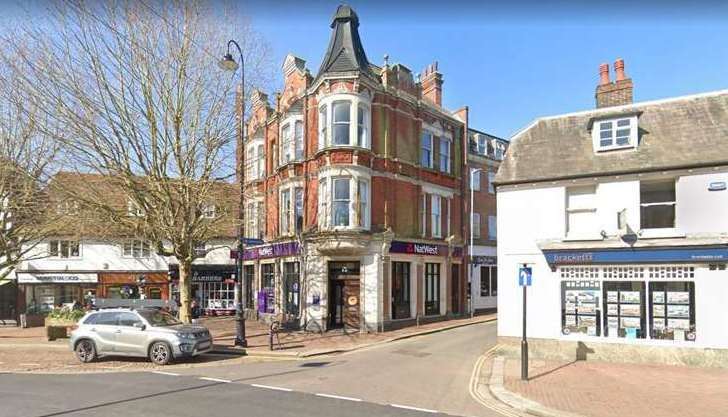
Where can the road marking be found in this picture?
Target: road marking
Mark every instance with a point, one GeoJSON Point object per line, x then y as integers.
{"type": "Point", "coordinates": [338, 397]}
{"type": "Point", "coordinates": [206, 378]}
{"type": "Point", "coordinates": [490, 403]}
{"type": "Point", "coordinates": [165, 373]}
{"type": "Point", "coordinates": [271, 387]}
{"type": "Point", "coordinates": [409, 407]}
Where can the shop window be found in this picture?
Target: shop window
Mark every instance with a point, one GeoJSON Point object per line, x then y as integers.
{"type": "Point", "coordinates": [426, 153]}
{"type": "Point", "coordinates": [624, 304]}
{"type": "Point", "coordinates": [291, 282]}
{"type": "Point", "coordinates": [657, 205]}
{"type": "Point", "coordinates": [137, 249]}
{"type": "Point", "coordinates": [249, 273]}
{"type": "Point", "coordinates": [432, 289]}
{"type": "Point", "coordinates": [580, 307]}
{"type": "Point", "coordinates": [267, 281]}
{"type": "Point", "coordinates": [581, 212]}
{"type": "Point", "coordinates": [400, 290]}
{"type": "Point", "coordinates": [155, 294]}
{"type": "Point", "coordinates": [64, 249]}
{"type": "Point", "coordinates": [488, 281]}
{"type": "Point", "coordinates": [672, 310]}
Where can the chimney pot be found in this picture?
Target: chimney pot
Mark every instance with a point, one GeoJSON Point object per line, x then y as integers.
{"type": "Point", "coordinates": [604, 74]}
{"type": "Point", "coordinates": [619, 69]}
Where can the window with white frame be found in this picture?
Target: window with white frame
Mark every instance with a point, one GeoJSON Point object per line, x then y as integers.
{"type": "Point", "coordinates": [199, 249]}
{"type": "Point", "coordinates": [492, 228]}
{"type": "Point", "coordinates": [291, 141]}
{"type": "Point", "coordinates": [285, 211]}
{"type": "Point", "coordinates": [344, 202]}
{"type": "Point", "coordinates": [64, 249]}
{"type": "Point", "coordinates": [436, 212]}
{"type": "Point", "coordinates": [445, 154]}
{"type": "Point", "coordinates": [657, 204]}
{"type": "Point", "coordinates": [341, 118]}
{"type": "Point", "coordinates": [133, 209]}
{"type": "Point", "coordinates": [491, 179]}
{"type": "Point", "coordinates": [209, 211]}
{"type": "Point", "coordinates": [136, 248]}
{"type": "Point", "coordinates": [254, 161]}
{"type": "Point", "coordinates": [616, 133]}
{"type": "Point", "coordinates": [581, 212]}
{"type": "Point", "coordinates": [297, 208]}
{"type": "Point", "coordinates": [253, 216]}
{"type": "Point", "coordinates": [447, 223]}
{"type": "Point", "coordinates": [482, 145]}
{"type": "Point", "coordinates": [474, 179]}
{"type": "Point", "coordinates": [423, 215]}
{"type": "Point", "coordinates": [260, 162]}
{"type": "Point", "coordinates": [344, 120]}
{"type": "Point", "coordinates": [476, 225]}
{"type": "Point", "coordinates": [426, 150]}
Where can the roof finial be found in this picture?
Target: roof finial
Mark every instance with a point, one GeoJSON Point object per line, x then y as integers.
{"type": "Point", "coordinates": [386, 60]}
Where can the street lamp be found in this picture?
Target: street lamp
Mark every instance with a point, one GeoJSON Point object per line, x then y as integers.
{"type": "Point", "coordinates": [228, 63]}
{"type": "Point", "coordinates": [472, 211]}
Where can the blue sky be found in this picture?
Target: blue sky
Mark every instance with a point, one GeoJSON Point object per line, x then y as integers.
{"type": "Point", "coordinates": [514, 61]}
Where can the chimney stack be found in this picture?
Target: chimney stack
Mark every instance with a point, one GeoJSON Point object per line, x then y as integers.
{"type": "Point", "coordinates": [616, 93]}
{"type": "Point", "coordinates": [432, 84]}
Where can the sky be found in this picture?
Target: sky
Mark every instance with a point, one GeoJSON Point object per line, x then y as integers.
{"type": "Point", "coordinates": [514, 61]}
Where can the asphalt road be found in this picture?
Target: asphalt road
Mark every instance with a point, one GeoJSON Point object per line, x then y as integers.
{"type": "Point", "coordinates": [427, 375]}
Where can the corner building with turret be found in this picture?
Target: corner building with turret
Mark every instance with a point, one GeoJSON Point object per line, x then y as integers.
{"type": "Point", "coordinates": [354, 183]}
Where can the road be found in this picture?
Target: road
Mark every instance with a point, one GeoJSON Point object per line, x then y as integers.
{"type": "Point", "coordinates": [427, 375]}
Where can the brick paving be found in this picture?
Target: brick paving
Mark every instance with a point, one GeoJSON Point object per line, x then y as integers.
{"type": "Point", "coordinates": [597, 389]}
{"type": "Point", "coordinates": [27, 350]}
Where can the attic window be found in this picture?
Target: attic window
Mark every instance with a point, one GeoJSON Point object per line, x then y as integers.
{"type": "Point", "coordinates": [613, 134]}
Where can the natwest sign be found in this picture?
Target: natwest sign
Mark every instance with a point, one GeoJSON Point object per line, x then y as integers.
{"type": "Point", "coordinates": [271, 251]}
{"type": "Point", "coordinates": [414, 248]}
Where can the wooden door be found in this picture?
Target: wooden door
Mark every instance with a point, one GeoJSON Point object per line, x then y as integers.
{"type": "Point", "coordinates": [351, 303]}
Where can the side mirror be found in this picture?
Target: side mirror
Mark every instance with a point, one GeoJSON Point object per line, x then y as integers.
{"type": "Point", "coordinates": [140, 325]}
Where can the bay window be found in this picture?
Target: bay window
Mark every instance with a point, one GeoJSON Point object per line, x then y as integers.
{"type": "Point", "coordinates": [291, 140]}
{"type": "Point", "coordinates": [290, 209]}
{"type": "Point", "coordinates": [285, 211]}
{"type": "Point", "coordinates": [253, 224]}
{"type": "Point", "coordinates": [344, 120]}
{"type": "Point", "coordinates": [286, 144]}
{"type": "Point", "coordinates": [343, 202]}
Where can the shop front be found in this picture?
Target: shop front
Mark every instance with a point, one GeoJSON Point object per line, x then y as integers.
{"type": "Point", "coordinates": [273, 280]}
{"type": "Point", "coordinates": [40, 292]}
{"type": "Point", "coordinates": [134, 285]}
{"type": "Point", "coordinates": [213, 287]}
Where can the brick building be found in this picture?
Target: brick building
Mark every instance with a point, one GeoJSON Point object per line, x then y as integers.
{"type": "Point", "coordinates": [354, 180]}
{"type": "Point", "coordinates": [485, 153]}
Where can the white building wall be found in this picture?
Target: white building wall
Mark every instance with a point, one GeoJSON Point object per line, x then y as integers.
{"type": "Point", "coordinates": [96, 255]}
{"type": "Point", "coordinates": [529, 214]}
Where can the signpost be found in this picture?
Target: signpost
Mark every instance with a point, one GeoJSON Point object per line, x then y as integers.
{"type": "Point", "coordinates": [524, 280]}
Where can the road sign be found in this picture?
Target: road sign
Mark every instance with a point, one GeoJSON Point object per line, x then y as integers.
{"type": "Point", "coordinates": [249, 241]}
{"type": "Point", "coordinates": [524, 276]}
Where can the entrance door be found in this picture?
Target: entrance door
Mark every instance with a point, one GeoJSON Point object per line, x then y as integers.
{"type": "Point", "coordinates": [8, 296]}
{"type": "Point", "coordinates": [344, 310]}
{"type": "Point", "coordinates": [455, 289]}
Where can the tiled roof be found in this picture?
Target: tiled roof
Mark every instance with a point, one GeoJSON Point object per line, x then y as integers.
{"type": "Point", "coordinates": [675, 133]}
{"type": "Point", "coordinates": [345, 53]}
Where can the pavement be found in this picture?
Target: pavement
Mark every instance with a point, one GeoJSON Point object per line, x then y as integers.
{"type": "Point", "coordinates": [599, 389]}
{"type": "Point", "coordinates": [27, 350]}
{"type": "Point", "coordinates": [417, 376]}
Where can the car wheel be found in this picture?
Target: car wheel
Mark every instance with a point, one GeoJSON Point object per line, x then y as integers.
{"type": "Point", "coordinates": [85, 351]}
{"type": "Point", "coordinates": [160, 353]}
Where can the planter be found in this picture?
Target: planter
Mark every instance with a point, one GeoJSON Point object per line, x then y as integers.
{"type": "Point", "coordinates": [32, 320]}
{"type": "Point", "coordinates": [57, 328]}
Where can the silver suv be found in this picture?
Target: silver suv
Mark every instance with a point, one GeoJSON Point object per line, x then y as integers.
{"type": "Point", "coordinates": [143, 333]}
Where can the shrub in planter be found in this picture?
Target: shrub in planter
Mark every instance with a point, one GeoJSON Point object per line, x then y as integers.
{"type": "Point", "coordinates": [59, 320]}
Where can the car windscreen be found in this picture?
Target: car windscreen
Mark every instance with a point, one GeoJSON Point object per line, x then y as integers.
{"type": "Point", "coordinates": [158, 318]}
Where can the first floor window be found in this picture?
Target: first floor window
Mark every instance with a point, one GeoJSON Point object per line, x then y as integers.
{"type": "Point", "coordinates": [657, 204]}
{"type": "Point", "coordinates": [492, 228]}
{"type": "Point", "coordinates": [285, 211]}
{"type": "Point", "coordinates": [363, 197]}
{"type": "Point", "coordinates": [298, 209]}
{"type": "Point", "coordinates": [491, 180]}
{"type": "Point", "coordinates": [137, 248]}
{"type": "Point", "coordinates": [426, 150]}
{"type": "Point", "coordinates": [436, 216]}
{"type": "Point", "coordinates": [581, 212]}
{"type": "Point", "coordinates": [474, 179]}
{"type": "Point", "coordinates": [341, 201]}
{"type": "Point", "coordinates": [322, 124]}
{"type": "Point", "coordinates": [488, 281]}
{"type": "Point", "coordinates": [476, 225]}
{"type": "Point", "coordinates": [362, 126]}
{"type": "Point", "coordinates": [423, 215]}
{"type": "Point", "coordinates": [400, 290]}
{"type": "Point", "coordinates": [432, 289]}
{"type": "Point", "coordinates": [444, 155]}
{"type": "Point", "coordinates": [64, 249]}
{"type": "Point", "coordinates": [323, 211]}
{"type": "Point", "coordinates": [286, 144]}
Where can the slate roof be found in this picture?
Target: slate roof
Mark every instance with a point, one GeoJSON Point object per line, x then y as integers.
{"type": "Point", "coordinates": [345, 53]}
{"type": "Point", "coordinates": [675, 133]}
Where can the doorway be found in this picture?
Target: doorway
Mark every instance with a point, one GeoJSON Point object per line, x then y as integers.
{"type": "Point", "coordinates": [455, 289]}
{"type": "Point", "coordinates": [344, 302]}
{"type": "Point", "coordinates": [8, 297]}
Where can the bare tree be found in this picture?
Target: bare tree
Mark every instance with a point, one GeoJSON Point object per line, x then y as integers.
{"type": "Point", "coordinates": [26, 157]}
{"type": "Point", "coordinates": [135, 87]}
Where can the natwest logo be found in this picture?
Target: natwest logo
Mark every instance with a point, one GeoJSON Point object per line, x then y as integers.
{"type": "Point", "coordinates": [423, 249]}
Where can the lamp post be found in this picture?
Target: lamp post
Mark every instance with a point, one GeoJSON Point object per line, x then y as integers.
{"type": "Point", "coordinates": [228, 63]}
{"type": "Point", "coordinates": [470, 252]}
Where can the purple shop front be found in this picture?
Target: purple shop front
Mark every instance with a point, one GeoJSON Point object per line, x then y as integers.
{"type": "Point", "coordinates": [271, 251]}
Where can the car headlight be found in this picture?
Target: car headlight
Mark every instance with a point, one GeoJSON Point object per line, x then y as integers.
{"type": "Point", "coordinates": [188, 336]}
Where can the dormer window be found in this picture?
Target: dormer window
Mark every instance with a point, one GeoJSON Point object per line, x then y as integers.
{"type": "Point", "coordinates": [615, 134]}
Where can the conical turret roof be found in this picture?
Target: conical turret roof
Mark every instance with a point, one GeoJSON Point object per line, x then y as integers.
{"type": "Point", "coordinates": [345, 52]}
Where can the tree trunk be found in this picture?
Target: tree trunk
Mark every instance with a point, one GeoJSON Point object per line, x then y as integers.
{"type": "Point", "coordinates": [185, 269]}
